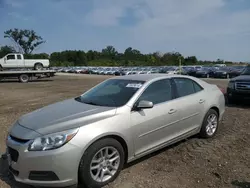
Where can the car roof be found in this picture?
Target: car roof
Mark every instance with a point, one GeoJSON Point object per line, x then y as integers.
{"type": "Point", "coordinates": [148, 77]}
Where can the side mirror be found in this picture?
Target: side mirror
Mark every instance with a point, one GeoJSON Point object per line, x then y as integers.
{"type": "Point", "coordinates": [5, 59]}
{"type": "Point", "coordinates": [144, 104]}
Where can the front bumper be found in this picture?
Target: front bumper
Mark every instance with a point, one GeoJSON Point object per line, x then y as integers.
{"type": "Point", "coordinates": [236, 94]}
{"type": "Point", "coordinates": [54, 168]}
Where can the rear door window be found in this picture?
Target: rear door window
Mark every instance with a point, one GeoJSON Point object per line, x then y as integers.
{"type": "Point", "coordinates": [185, 86]}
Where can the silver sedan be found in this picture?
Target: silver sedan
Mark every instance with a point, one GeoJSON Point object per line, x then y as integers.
{"type": "Point", "coordinates": [88, 139]}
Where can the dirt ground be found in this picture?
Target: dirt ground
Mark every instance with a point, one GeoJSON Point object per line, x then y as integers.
{"type": "Point", "coordinates": [222, 162]}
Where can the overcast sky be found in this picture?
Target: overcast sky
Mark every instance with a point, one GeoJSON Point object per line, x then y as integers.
{"type": "Point", "coordinates": [208, 29]}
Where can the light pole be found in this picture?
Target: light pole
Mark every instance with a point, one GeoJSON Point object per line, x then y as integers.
{"type": "Point", "coordinates": [180, 65]}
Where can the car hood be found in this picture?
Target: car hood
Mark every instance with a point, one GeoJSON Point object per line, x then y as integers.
{"type": "Point", "coordinates": [64, 115]}
{"type": "Point", "coordinates": [241, 77]}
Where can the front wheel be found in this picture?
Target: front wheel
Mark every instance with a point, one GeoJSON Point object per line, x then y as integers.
{"type": "Point", "coordinates": [210, 124]}
{"type": "Point", "coordinates": [101, 163]}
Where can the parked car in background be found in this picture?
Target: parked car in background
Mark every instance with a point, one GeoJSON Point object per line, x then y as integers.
{"type": "Point", "coordinates": [236, 71]}
{"type": "Point", "coordinates": [220, 65]}
{"type": "Point", "coordinates": [89, 138]}
{"type": "Point", "coordinates": [173, 70]}
{"type": "Point", "coordinates": [204, 72]}
{"type": "Point", "coordinates": [15, 60]}
{"type": "Point", "coordinates": [191, 71]}
{"type": "Point", "coordinates": [239, 87]}
{"type": "Point", "coordinates": [222, 72]}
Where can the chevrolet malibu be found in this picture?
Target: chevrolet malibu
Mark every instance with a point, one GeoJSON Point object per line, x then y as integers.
{"type": "Point", "coordinates": [88, 139]}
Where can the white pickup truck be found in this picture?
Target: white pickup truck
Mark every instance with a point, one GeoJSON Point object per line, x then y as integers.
{"type": "Point", "coordinates": [15, 61]}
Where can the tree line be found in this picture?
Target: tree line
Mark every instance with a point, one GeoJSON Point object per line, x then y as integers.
{"type": "Point", "coordinates": [27, 41]}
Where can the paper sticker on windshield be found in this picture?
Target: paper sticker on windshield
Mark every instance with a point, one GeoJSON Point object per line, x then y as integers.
{"type": "Point", "coordinates": [134, 85]}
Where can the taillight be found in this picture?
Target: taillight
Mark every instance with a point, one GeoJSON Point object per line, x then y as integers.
{"type": "Point", "coordinates": [222, 90]}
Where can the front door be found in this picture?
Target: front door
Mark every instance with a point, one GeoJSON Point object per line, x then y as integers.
{"type": "Point", "coordinates": [10, 61]}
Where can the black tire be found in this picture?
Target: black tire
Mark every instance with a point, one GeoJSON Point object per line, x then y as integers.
{"type": "Point", "coordinates": [203, 132]}
{"type": "Point", "coordinates": [84, 174]}
{"type": "Point", "coordinates": [38, 66]}
{"type": "Point", "coordinates": [24, 78]}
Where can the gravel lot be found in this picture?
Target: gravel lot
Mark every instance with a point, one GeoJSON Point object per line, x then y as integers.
{"type": "Point", "coordinates": [223, 161]}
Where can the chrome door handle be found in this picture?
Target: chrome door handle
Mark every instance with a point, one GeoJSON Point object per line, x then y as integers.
{"type": "Point", "coordinates": [201, 101]}
{"type": "Point", "coordinates": [172, 111]}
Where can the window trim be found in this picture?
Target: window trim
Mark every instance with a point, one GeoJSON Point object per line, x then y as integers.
{"type": "Point", "coordinates": [175, 88]}
{"type": "Point", "coordinates": [172, 92]}
{"type": "Point", "coordinates": [18, 55]}
{"type": "Point", "coordinates": [10, 55]}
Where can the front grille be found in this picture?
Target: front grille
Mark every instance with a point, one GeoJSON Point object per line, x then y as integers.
{"type": "Point", "coordinates": [13, 154]}
{"type": "Point", "coordinates": [244, 86]}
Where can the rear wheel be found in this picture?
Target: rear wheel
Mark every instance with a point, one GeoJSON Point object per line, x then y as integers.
{"type": "Point", "coordinates": [101, 163]}
{"type": "Point", "coordinates": [38, 66]}
{"type": "Point", "coordinates": [24, 78]}
{"type": "Point", "coordinates": [210, 124]}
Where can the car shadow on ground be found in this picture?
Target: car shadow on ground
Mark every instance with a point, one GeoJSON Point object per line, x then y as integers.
{"type": "Point", "coordinates": [239, 184]}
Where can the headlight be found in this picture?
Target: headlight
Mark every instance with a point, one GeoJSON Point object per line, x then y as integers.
{"type": "Point", "coordinates": [231, 85]}
{"type": "Point", "coordinates": [52, 141]}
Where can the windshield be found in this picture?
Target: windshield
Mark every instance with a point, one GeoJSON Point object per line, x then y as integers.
{"type": "Point", "coordinates": [111, 93]}
{"type": "Point", "coordinates": [246, 71]}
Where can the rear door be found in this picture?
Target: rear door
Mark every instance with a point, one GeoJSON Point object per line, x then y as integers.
{"type": "Point", "coordinates": [19, 61]}
{"type": "Point", "coordinates": [155, 126]}
{"type": "Point", "coordinates": [190, 98]}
